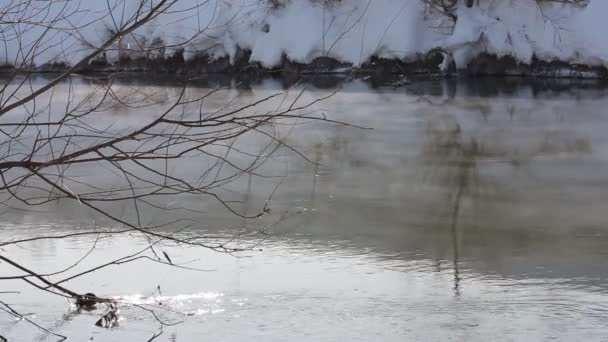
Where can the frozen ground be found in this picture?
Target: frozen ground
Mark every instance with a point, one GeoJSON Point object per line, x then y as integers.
{"type": "Point", "coordinates": [348, 30]}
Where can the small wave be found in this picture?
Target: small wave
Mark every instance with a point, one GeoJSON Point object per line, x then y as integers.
{"type": "Point", "coordinates": [140, 299]}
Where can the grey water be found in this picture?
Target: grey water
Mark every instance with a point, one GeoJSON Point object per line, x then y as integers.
{"type": "Point", "coordinates": [470, 211]}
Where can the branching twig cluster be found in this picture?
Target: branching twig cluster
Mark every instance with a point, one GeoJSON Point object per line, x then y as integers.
{"type": "Point", "coordinates": [50, 131]}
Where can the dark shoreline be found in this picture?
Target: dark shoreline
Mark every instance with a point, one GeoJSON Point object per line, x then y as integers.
{"type": "Point", "coordinates": [389, 70]}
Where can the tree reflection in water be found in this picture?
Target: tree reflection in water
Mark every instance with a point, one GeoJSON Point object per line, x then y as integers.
{"type": "Point", "coordinates": [451, 161]}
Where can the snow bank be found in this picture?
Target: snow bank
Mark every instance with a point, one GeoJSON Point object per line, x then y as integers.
{"type": "Point", "coordinates": [348, 30]}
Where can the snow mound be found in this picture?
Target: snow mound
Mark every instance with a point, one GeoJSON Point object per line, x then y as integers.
{"type": "Point", "coordinates": [350, 31]}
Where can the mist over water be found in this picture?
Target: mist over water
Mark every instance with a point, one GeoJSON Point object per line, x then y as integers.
{"type": "Point", "coordinates": [471, 211]}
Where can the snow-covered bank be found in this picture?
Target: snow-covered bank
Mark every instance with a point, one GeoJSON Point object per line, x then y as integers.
{"type": "Point", "coordinates": [531, 35]}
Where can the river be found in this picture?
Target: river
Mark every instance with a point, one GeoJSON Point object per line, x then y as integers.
{"type": "Point", "coordinates": [470, 211]}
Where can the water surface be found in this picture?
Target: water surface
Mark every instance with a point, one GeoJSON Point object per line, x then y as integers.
{"type": "Point", "coordinates": [472, 211]}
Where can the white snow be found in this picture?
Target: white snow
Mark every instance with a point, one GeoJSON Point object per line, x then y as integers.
{"type": "Point", "coordinates": [302, 30]}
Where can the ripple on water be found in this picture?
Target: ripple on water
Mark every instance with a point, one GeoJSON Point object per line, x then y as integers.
{"type": "Point", "coordinates": [182, 305]}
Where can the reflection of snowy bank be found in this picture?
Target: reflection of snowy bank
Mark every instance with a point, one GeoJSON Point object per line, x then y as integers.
{"type": "Point", "coordinates": [239, 35]}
